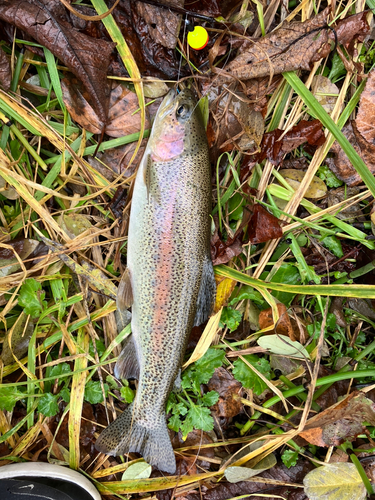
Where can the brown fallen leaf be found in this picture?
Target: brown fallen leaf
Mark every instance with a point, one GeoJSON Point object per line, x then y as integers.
{"type": "Point", "coordinates": [144, 37]}
{"type": "Point", "coordinates": [24, 247]}
{"type": "Point", "coordinates": [351, 28]}
{"type": "Point", "coordinates": [86, 57]}
{"type": "Point", "coordinates": [341, 422]}
{"type": "Point", "coordinates": [365, 121]}
{"type": "Point", "coordinates": [236, 123]}
{"type": "Point", "coordinates": [293, 46]}
{"type": "Point", "coordinates": [223, 251]}
{"type": "Point", "coordinates": [122, 119]}
{"type": "Point", "coordinates": [274, 149]}
{"type": "Point", "coordinates": [17, 339]}
{"type": "Point", "coordinates": [283, 326]}
{"type": "Point", "coordinates": [229, 390]}
{"type": "Point", "coordinates": [5, 72]}
{"type": "Point", "coordinates": [263, 226]}
{"type": "Point", "coordinates": [340, 163]}
{"type": "Point", "coordinates": [325, 92]}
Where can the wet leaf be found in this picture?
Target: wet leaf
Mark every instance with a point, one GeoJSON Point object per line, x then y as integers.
{"type": "Point", "coordinates": [325, 92]}
{"type": "Point", "coordinates": [348, 214]}
{"type": "Point", "coordinates": [275, 149]}
{"type": "Point", "coordinates": [8, 262]}
{"type": "Point", "coordinates": [283, 325]}
{"type": "Point", "coordinates": [75, 224]}
{"type": "Point", "coordinates": [151, 38]}
{"type": "Point", "coordinates": [365, 122]}
{"type": "Point", "coordinates": [335, 482]}
{"type": "Point", "coordinates": [123, 118]}
{"type": "Point", "coordinates": [317, 189]}
{"type": "Point", "coordinates": [154, 88]}
{"type": "Point", "coordinates": [341, 422]}
{"type": "Point", "coordinates": [236, 474]}
{"type": "Point", "coordinates": [222, 252]}
{"type": "Point", "coordinates": [19, 338]}
{"type": "Point", "coordinates": [263, 226]}
{"type": "Point", "coordinates": [237, 124]}
{"type": "Point", "coordinates": [5, 71]}
{"type": "Point", "coordinates": [293, 46]}
{"type": "Point", "coordinates": [278, 344]}
{"type": "Point", "coordinates": [7, 191]}
{"type": "Point", "coordinates": [86, 57]}
{"type": "Point", "coordinates": [340, 163]}
{"type": "Point", "coordinates": [229, 390]}
{"type": "Point", "coordinates": [139, 470]}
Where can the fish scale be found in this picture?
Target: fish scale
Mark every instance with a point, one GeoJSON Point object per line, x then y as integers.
{"type": "Point", "coordinates": [169, 276]}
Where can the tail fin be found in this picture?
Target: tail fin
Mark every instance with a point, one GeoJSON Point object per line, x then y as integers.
{"type": "Point", "coordinates": [126, 435]}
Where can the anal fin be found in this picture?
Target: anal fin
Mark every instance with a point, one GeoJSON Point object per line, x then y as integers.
{"type": "Point", "coordinates": [127, 365]}
{"type": "Point", "coordinates": [207, 293]}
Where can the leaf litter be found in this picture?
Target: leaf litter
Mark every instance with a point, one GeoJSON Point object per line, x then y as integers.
{"type": "Point", "coordinates": [61, 271]}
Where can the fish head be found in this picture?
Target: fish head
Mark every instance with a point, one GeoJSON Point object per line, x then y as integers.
{"type": "Point", "coordinates": [177, 126]}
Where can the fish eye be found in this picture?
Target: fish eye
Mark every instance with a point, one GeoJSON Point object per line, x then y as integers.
{"type": "Point", "coordinates": [182, 111]}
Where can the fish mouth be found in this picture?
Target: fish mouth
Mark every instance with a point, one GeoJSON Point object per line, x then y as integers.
{"type": "Point", "coordinates": [168, 104]}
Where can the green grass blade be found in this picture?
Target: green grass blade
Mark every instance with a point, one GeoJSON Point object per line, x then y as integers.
{"type": "Point", "coordinates": [357, 291]}
{"type": "Point", "coordinates": [327, 121]}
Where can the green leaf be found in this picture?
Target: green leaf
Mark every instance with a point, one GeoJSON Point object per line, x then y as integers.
{"type": "Point", "coordinates": [127, 393]}
{"type": "Point", "coordinates": [231, 318]}
{"type": "Point", "coordinates": [139, 470]}
{"type": "Point", "coordinates": [93, 391]}
{"type": "Point", "coordinates": [337, 69]}
{"type": "Point", "coordinates": [9, 397]}
{"type": "Point", "coordinates": [31, 298]}
{"type": "Point", "coordinates": [210, 398]}
{"type": "Point", "coordinates": [328, 176]}
{"type": "Point", "coordinates": [200, 417]}
{"type": "Point", "coordinates": [235, 206]}
{"type": "Point", "coordinates": [186, 427]}
{"type": "Point", "coordinates": [289, 458]}
{"type": "Point", "coordinates": [206, 365]}
{"type": "Point", "coordinates": [334, 245]}
{"type": "Point", "coordinates": [57, 370]}
{"type": "Point", "coordinates": [248, 377]}
{"type": "Point", "coordinates": [174, 423]}
{"type": "Point", "coordinates": [287, 274]}
{"type": "Point", "coordinates": [248, 293]}
{"type": "Point", "coordinates": [279, 344]}
{"type": "Point", "coordinates": [47, 404]}
{"type": "Point", "coordinates": [65, 394]}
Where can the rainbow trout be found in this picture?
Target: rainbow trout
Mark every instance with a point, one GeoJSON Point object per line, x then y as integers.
{"type": "Point", "coordinates": [169, 280]}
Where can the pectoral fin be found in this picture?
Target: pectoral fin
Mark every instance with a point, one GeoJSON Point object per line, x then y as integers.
{"type": "Point", "coordinates": [124, 298]}
{"type": "Point", "coordinates": [127, 365]}
{"type": "Point", "coordinates": [207, 293]}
